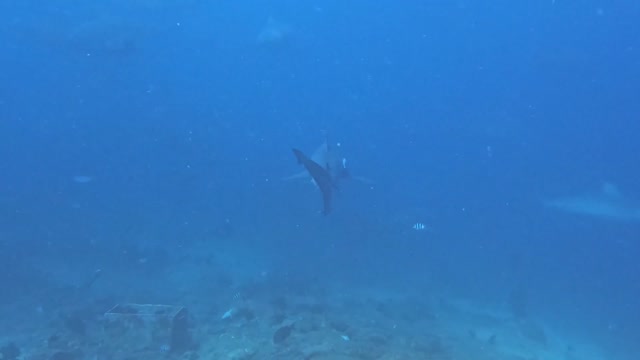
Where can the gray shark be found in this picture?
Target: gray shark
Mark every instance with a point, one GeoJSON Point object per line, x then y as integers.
{"type": "Point", "coordinates": [330, 158]}
{"type": "Point", "coordinates": [326, 168]}
{"type": "Point", "coordinates": [320, 176]}
{"type": "Point", "coordinates": [607, 204]}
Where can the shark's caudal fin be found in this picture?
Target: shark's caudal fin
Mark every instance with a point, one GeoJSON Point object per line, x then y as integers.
{"type": "Point", "coordinates": [320, 175]}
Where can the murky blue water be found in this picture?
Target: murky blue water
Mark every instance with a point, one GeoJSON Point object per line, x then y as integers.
{"type": "Point", "coordinates": [150, 139]}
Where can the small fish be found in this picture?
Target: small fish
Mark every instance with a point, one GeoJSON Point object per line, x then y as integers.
{"type": "Point", "coordinates": [228, 314]}
{"type": "Point", "coordinates": [419, 226]}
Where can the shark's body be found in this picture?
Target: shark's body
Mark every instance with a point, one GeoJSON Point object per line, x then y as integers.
{"type": "Point", "coordinates": [321, 177]}
{"type": "Point", "coordinates": [330, 158]}
{"type": "Point", "coordinates": [326, 168]}
{"type": "Point", "coordinates": [608, 204]}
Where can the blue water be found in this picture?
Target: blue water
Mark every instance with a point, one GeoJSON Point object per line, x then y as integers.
{"type": "Point", "coordinates": [131, 129]}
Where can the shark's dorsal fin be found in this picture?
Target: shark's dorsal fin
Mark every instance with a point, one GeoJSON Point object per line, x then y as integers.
{"type": "Point", "coordinates": [320, 155]}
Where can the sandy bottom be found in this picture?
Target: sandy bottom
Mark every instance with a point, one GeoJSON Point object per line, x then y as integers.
{"type": "Point", "coordinates": [269, 318]}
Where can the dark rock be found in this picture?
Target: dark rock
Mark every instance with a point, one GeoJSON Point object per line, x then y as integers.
{"type": "Point", "coordinates": [282, 334]}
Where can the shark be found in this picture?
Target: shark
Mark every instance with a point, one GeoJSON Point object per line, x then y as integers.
{"type": "Point", "coordinates": [608, 204]}
{"type": "Point", "coordinates": [327, 168]}
{"type": "Point", "coordinates": [329, 157]}
{"type": "Point", "coordinates": [321, 176]}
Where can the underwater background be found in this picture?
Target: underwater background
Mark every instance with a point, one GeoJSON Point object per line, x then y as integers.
{"type": "Point", "coordinates": [492, 212]}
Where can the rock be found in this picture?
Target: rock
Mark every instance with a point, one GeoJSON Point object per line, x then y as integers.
{"type": "Point", "coordinates": [282, 334]}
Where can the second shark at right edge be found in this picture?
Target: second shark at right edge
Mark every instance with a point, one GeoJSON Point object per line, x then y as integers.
{"type": "Point", "coordinates": [608, 204]}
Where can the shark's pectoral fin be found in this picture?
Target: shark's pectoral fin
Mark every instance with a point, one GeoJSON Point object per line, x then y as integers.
{"type": "Point", "coordinates": [300, 175]}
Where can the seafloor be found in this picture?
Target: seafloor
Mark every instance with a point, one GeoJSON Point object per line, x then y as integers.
{"type": "Point", "coordinates": [268, 316]}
